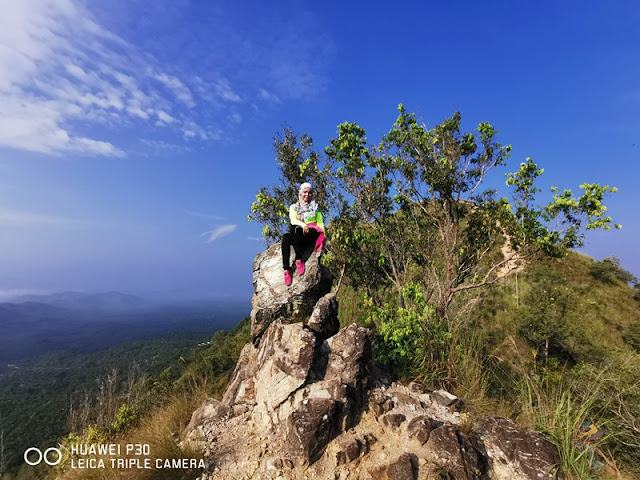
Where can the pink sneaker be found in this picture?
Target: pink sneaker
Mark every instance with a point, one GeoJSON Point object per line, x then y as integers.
{"type": "Point", "coordinates": [288, 277]}
{"type": "Point", "coordinates": [300, 267]}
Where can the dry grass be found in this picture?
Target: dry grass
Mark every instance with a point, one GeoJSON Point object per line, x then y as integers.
{"type": "Point", "coordinates": [160, 429]}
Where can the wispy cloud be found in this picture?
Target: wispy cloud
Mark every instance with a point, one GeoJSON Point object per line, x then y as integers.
{"type": "Point", "coordinates": [69, 83]}
{"type": "Point", "coordinates": [160, 147]}
{"type": "Point", "coordinates": [219, 232]}
{"type": "Point", "coordinates": [268, 96]}
{"type": "Point", "coordinates": [61, 72]}
{"type": "Point", "coordinates": [9, 217]}
{"type": "Point", "coordinates": [204, 215]}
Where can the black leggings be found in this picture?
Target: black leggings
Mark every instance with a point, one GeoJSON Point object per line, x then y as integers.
{"type": "Point", "coordinates": [299, 240]}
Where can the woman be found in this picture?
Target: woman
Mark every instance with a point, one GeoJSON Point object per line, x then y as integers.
{"type": "Point", "coordinates": [307, 227]}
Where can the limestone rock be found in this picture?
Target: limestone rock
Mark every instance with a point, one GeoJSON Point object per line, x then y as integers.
{"type": "Point", "coordinates": [273, 299]}
{"type": "Point", "coordinates": [210, 411]}
{"type": "Point", "coordinates": [324, 318]}
{"type": "Point", "coordinates": [393, 420]}
{"type": "Point", "coordinates": [311, 427]}
{"type": "Point", "coordinates": [517, 454]}
{"type": "Point", "coordinates": [350, 353]}
{"type": "Point", "coordinates": [283, 362]}
{"type": "Point", "coordinates": [454, 453]}
{"type": "Point", "coordinates": [241, 388]}
{"type": "Point", "coordinates": [420, 427]}
{"type": "Point", "coordinates": [268, 374]}
{"type": "Point", "coordinates": [399, 468]}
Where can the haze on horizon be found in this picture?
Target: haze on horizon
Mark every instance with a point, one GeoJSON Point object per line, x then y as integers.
{"type": "Point", "coordinates": [135, 135]}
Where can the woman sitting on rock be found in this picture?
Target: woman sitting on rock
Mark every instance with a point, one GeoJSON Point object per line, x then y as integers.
{"type": "Point", "coordinates": [307, 228]}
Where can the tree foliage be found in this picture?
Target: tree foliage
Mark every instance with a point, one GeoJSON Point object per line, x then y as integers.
{"type": "Point", "coordinates": [416, 209]}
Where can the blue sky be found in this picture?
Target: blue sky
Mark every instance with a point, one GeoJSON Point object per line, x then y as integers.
{"type": "Point", "coordinates": [134, 135]}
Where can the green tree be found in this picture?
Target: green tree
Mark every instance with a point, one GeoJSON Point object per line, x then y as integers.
{"type": "Point", "coordinates": [609, 269]}
{"type": "Point", "coordinates": [298, 162]}
{"type": "Point", "coordinates": [416, 209]}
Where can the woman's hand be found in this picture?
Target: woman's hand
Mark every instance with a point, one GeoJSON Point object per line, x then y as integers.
{"type": "Point", "coordinates": [305, 229]}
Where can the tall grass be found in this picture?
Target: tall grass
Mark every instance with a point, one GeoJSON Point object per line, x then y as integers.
{"type": "Point", "coordinates": [558, 409]}
{"type": "Point", "coordinates": [160, 429]}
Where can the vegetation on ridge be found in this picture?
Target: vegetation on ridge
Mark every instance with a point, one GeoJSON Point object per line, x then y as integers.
{"type": "Point", "coordinates": [428, 251]}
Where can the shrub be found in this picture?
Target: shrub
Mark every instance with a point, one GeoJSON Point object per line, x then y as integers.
{"type": "Point", "coordinates": [609, 269]}
{"type": "Point", "coordinates": [544, 318]}
{"type": "Point", "coordinates": [632, 336]}
{"type": "Point", "coordinates": [125, 418]}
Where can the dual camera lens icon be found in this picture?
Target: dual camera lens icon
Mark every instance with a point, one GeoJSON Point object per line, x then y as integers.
{"type": "Point", "coordinates": [43, 456]}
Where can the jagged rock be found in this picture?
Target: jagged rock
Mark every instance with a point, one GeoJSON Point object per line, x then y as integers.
{"type": "Point", "coordinates": [453, 452]}
{"type": "Point", "coordinates": [446, 399]}
{"type": "Point", "coordinates": [241, 388]}
{"type": "Point", "coordinates": [400, 398]}
{"type": "Point", "coordinates": [517, 454]}
{"type": "Point", "coordinates": [417, 387]}
{"type": "Point", "coordinates": [311, 427]}
{"type": "Point", "coordinates": [350, 354]}
{"type": "Point", "coordinates": [420, 427]}
{"type": "Point", "coordinates": [283, 362]}
{"type": "Point", "coordinates": [273, 299]}
{"type": "Point", "coordinates": [210, 411]}
{"type": "Point", "coordinates": [270, 373]}
{"type": "Point", "coordinates": [320, 408]}
{"type": "Point", "coordinates": [393, 420]}
{"type": "Point", "coordinates": [324, 318]}
{"type": "Point", "coordinates": [380, 403]}
{"type": "Point", "coordinates": [348, 450]}
{"type": "Point", "coordinates": [399, 468]}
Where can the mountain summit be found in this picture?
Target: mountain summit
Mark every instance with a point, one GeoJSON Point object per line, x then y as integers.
{"type": "Point", "coordinates": [306, 401]}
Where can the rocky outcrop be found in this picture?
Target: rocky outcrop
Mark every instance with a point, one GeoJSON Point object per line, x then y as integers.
{"type": "Point", "coordinates": [273, 299]}
{"type": "Point", "coordinates": [306, 401]}
{"type": "Point", "coordinates": [517, 454]}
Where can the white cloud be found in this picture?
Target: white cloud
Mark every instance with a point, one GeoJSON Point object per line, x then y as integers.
{"type": "Point", "coordinates": [61, 73]}
{"type": "Point", "coordinates": [268, 96]}
{"type": "Point", "coordinates": [64, 76]}
{"type": "Point", "coordinates": [224, 91]}
{"type": "Point", "coordinates": [203, 215]}
{"type": "Point", "coordinates": [17, 218]}
{"type": "Point", "coordinates": [180, 90]}
{"type": "Point", "coordinates": [219, 232]}
{"type": "Point", "coordinates": [164, 117]}
{"type": "Point", "coordinates": [160, 147]}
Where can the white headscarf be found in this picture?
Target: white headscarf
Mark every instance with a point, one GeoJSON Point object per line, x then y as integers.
{"type": "Point", "coordinates": [305, 207]}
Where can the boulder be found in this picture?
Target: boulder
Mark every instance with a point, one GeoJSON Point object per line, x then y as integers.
{"type": "Point", "coordinates": [241, 388]}
{"type": "Point", "coordinates": [283, 362]}
{"type": "Point", "coordinates": [518, 454]}
{"type": "Point", "coordinates": [324, 318]}
{"type": "Point", "coordinates": [210, 411]}
{"type": "Point", "coordinates": [350, 353]}
{"type": "Point", "coordinates": [269, 374]}
{"type": "Point", "coordinates": [420, 427]}
{"type": "Point", "coordinates": [399, 468]}
{"type": "Point", "coordinates": [273, 299]}
{"type": "Point", "coordinates": [454, 453]}
{"type": "Point", "coordinates": [311, 426]}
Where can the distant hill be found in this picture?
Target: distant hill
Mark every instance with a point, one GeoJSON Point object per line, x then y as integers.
{"type": "Point", "coordinates": [32, 325]}
{"type": "Point", "coordinates": [78, 300]}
